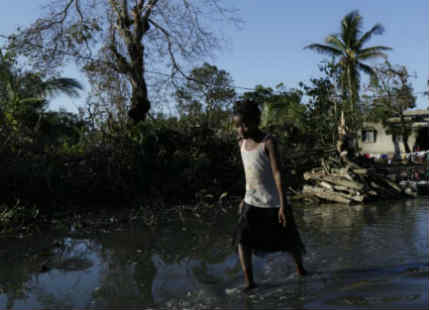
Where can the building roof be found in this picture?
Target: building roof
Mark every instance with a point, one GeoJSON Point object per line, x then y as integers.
{"type": "Point", "coordinates": [416, 112]}
{"type": "Point", "coordinates": [419, 124]}
{"type": "Point", "coordinates": [413, 116]}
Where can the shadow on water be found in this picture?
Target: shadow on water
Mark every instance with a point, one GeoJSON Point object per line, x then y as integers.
{"type": "Point", "coordinates": [357, 256]}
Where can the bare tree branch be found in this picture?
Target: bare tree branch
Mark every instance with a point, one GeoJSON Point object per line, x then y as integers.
{"type": "Point", "coordinates": [123, 66]}
{"type": "Point", "coordinates": [119, 39]}
{"type": "Point", "coordinates": [79, 11]}
{"type": "Point", "coordinates": [64, 14]}
{"type": "Point", "coordinates": [125, 9]}
{"type": "Point", "coordinates": [151, 4]}
{"type": "Point", "coordinates": [141, 21]}
{"type": "Point", "coordinates": [170, 46]}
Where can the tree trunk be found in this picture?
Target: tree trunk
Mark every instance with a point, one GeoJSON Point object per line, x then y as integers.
{"type": "Point", "coordinates": [405, 141]}
{"type": "Point", "coordinates": [351, 132]}
{"type": "Point", "coordinates": [341, 133]}
{"type": "Point", "coordinates": [404, 135]}
{"type": "Point", "coordinates": [351, 91]}
{"type": "Point", "coordinates": [140, 104]}
{"type": "Point", "coordinates": [134, 66]}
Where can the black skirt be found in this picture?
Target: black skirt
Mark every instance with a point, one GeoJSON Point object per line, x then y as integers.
{"type": "Point", "coordinates": [259, 229]}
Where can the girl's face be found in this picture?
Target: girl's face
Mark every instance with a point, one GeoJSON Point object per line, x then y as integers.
{"type": "Point", "coordinates": [244, 128]}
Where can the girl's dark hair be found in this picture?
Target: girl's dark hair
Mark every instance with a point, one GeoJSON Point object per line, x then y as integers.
{"type": "Point", "coordinates": [247, 110]}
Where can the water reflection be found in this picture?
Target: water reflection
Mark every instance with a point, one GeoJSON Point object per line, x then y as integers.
{"type": "Point", "coordinates": [350, 248]}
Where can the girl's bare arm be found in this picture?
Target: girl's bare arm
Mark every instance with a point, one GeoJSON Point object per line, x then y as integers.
{"type": "Point", "coordinates": [271, 148]}
{"type": "Point", "coordinates": [241, 205]}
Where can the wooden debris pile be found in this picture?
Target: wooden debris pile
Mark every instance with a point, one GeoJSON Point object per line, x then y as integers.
{"type": "Point", "coordinates": [348, 185]}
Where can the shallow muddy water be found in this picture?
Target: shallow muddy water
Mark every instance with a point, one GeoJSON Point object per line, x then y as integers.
{"type": "Point", "coordinates": [368, 256]}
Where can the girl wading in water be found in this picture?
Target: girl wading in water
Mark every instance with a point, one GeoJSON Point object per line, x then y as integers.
{"type": "Point", "coordinates": [266, 221]}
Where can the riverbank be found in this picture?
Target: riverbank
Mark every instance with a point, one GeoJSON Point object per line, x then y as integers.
{"type": "Point", "coordinates": [22, 218]}
{"type": "Point", "coordinates": [20, 221]}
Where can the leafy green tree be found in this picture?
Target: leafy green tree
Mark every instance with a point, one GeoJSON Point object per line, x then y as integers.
{"type": "Point", "coordinates": [391, 97]}
{"type": "Point", "coordinates": [348, 47]}
{"type": "Point", "coordinates": [323, 106]}
{"type": "Point", "coordinates": [117, 42]}
{"type": "Point", "coordinates": [284, 108]}
{"type": "Point", "coordinates": [281, 108]}
{"type": "Point", "coordinates": [259, 95]}
{"type": "Point", "coordinates": [207, 95]}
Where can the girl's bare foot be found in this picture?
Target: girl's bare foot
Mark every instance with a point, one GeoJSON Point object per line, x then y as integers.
{"type": "Point", "coordinates": [249, 287]}
{"type": "Point", "coordinates": [299, 265]}
{"type": "Point", "coordinates": [301, 271]}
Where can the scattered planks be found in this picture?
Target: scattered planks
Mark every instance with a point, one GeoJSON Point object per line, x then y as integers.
{"type": "Point", "coordinates": [347, 185]}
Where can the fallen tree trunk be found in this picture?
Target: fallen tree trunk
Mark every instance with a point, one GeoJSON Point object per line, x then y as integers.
{"type": "Point", "coordinates": [346, 182]}
{"type": "Point", "coordinates": [343, 182]}
{"type": "Point", "coordinates": [324, 194]}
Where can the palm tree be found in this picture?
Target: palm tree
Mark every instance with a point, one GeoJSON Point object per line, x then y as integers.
{"type": "Point", "coordinates": [25, 95]}
{"type": "Point", "coordinates": [348, 46]}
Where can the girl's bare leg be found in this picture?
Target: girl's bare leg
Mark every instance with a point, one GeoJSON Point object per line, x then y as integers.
{"type": "Point", "coordinates": [245, 255]}
{"type": "Point", "coordinates": [298, 261]}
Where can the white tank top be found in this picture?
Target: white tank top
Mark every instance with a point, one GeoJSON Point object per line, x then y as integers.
{"type": "Point", "coordinates": [261, 190]}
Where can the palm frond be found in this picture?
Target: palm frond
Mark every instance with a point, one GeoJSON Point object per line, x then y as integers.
{"type": "Point", "coordinates": [374, 55]}
{"type": "Point", "coordinates": [376, 29]}
{"type": "Point", "coordinates": [374, 49]}
{"type": "Point", "coordinates": [67, 86]}
{"type": "Point", "coordinates": [351, 26]}
{"type": "Point", "coordinates": [334, 41]}
{"type": "Point", "coordinates": [368, 70]}
{"type": "Point", "coordinates": [373, 52]}
{"type": "Point", "coordinates": [324, 49]}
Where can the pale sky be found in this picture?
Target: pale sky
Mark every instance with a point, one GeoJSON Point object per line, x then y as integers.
{"type": "Point", "coordinates": [268, 49]}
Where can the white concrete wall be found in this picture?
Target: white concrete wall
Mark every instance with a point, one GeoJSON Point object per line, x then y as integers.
{"type": "Point", "coordinates": [384, 143]}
